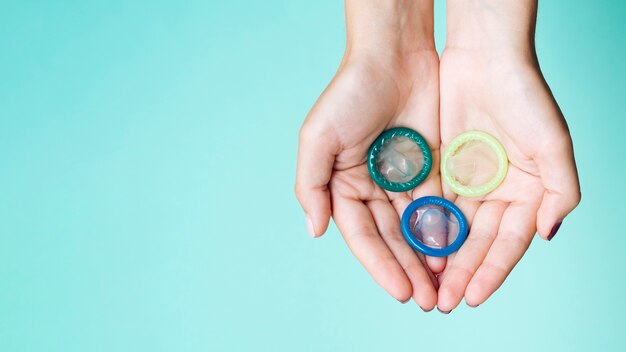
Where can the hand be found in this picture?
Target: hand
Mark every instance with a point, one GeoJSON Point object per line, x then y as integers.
{"type": "Point", "coordinates": [490, 81]}
{"type": "Point", "coordinates": [388, 78]}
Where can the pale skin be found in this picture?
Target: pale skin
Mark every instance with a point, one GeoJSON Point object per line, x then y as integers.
{"type": "Point", "coordinates": [488, 79]}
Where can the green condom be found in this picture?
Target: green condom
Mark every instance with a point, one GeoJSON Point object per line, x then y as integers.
{"type": "Point", "coordinates": [474, 164]}
{"type": "Point", "coordinates": [399, 159]}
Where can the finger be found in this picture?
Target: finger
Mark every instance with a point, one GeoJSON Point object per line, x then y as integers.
{"type": "Point", "coordinates": [400, 201]}
{"type": "Point", "coordinates": [514, 236]}
{"type": "Point", "coordinates": [356, 224]}
{"type": "Point", "coordinates": [560, 178]}
{"type": "Point", "coordinates": [316, 156]}
{"type": "Point", "coordinates": [466, 261]}
{"type": "Point", "coordinates": [469, 207]}
{"type": "Point", "coordinates": [433, 278]}
{"type": "Point", "coordinates": [388, 224]}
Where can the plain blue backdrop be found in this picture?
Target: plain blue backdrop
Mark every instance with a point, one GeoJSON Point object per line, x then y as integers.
{"type": "Point", "coordinates": [147, 156]}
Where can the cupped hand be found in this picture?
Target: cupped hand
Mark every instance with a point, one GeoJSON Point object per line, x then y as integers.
{"type": "Point", "coordinates": [503, 93]}
{"type": "Point", "coordinates": [367, 96]}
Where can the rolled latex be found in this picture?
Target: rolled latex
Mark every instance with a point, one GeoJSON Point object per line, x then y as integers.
{"type": "Point", "coordinates": [434, 226]}
{"type": "Point", "coordinates": [474, 164]}
{"type": "Point", "coordinates": [399, 159]}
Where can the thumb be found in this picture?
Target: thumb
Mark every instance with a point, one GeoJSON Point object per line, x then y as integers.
{"type": "Point", "coordinates": [316, 156]}
{"type": "Point", "coordinates": [559, 176]}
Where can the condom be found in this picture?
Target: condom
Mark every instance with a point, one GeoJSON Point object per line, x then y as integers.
{"type": "Point", "coordinates": [434, 226]}
{"type": "Point", "coordinates": [399, 159]}
{"type": "Point", "coordinates": [474, 164]}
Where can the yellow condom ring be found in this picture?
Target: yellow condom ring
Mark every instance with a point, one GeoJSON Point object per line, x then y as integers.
{"type": "Point", "coordinates": [493, 183]}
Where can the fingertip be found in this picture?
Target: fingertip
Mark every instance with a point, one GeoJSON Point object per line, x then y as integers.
{"type": "Point", "coordinates": [447, 299]}
{"type": "Point", "coordinates": [473, 302]}
{"type": "Point", "coordinates": [436, 264]}
{"type": "Point", "coordinates": [309, 226]}
{"type": "Point", "coordinates": [318, 225]}
{"type": "Point", "coordinates": [442, 311]}
{"type": "Point", "coordinates": [544, 225]}
{"type": "Point", "coordinates": [317, 209]}
{"type": "Point", "coordinates": [470, 305]}
{"type": "Point", "coordinates": [425, 298]}
{"type": "Point", "coordinates": [553, 209]}
{"type": "Point", "coordinates": [422, 285]}
{"type": "Point", "coordinates": [476, 294]}
{"type": "Point", "coordinates": [399, 288]}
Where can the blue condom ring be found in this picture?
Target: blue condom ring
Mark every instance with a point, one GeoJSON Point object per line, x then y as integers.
{"type": "Point", "coordinates": [419, 245]}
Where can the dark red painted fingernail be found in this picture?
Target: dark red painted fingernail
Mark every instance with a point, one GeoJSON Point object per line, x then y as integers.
{"type": "Point", "coordinates": [555, 228]}
{"type": "Point", "coordinates": [444, 311]}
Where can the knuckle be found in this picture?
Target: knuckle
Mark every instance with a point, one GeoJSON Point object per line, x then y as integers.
{"type": "Point", "coordinates": [577, 197]}
{"type": "Point", "coordinates": [481, 235]}
{"type": "Point", "coordinates": [299, 192]}
{"type": "Point", "coordinates": [519, 241]}
{"type": "Point", "coordinates": [307, 132]}
{"type": "Point", "coordinates": [572, 200]}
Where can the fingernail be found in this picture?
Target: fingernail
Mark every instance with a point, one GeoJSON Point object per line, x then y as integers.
{"type": "Point", "coordinates": [403, 302]}
{"type": "Point", "coordinates": [555, 228]}
{"type": "Point", "coordinates": [469, 305]}
{"type": "Point", "coordinates": [309, 226]}
{"type": "Point", "coordinates": [444, 311]}
{"type": "Point", "coordinates": [426, 311]}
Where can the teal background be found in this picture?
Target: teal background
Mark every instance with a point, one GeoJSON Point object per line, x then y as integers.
{"type": "Point", "coordinates": [147, 155]}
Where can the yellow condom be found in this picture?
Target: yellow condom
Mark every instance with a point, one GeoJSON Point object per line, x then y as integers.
{"type": "Point", "coordinates": [474, 164]}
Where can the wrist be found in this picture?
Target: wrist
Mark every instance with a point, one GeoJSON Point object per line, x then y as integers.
{"type": "Point", "coordinates": [503, 26]}
{"type": "Point", "coordinates": [389, 28]}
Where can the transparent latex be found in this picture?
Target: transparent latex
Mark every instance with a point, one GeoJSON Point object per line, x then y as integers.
{"type": "Point", "coordinates": [473, 164]}
{"type": "Point", "coordinates": [400, 159]}
{"type": "Point", "coordinates": [434, 226]}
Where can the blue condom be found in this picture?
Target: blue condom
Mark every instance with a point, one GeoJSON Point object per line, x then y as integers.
{"type": "Point", "coordinates": [434, 226]}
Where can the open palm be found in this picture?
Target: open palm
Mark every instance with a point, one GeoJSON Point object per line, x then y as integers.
{"type": "Point", "coordinates": [365, 98]}
{"type": "Point", "coordinates": [504, 95]}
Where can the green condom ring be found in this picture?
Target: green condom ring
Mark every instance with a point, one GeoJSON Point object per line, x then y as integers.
{"type": "Point", "coordinates": [377, 146]}
{"type": "Point", "coordinates": [474, 191]}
